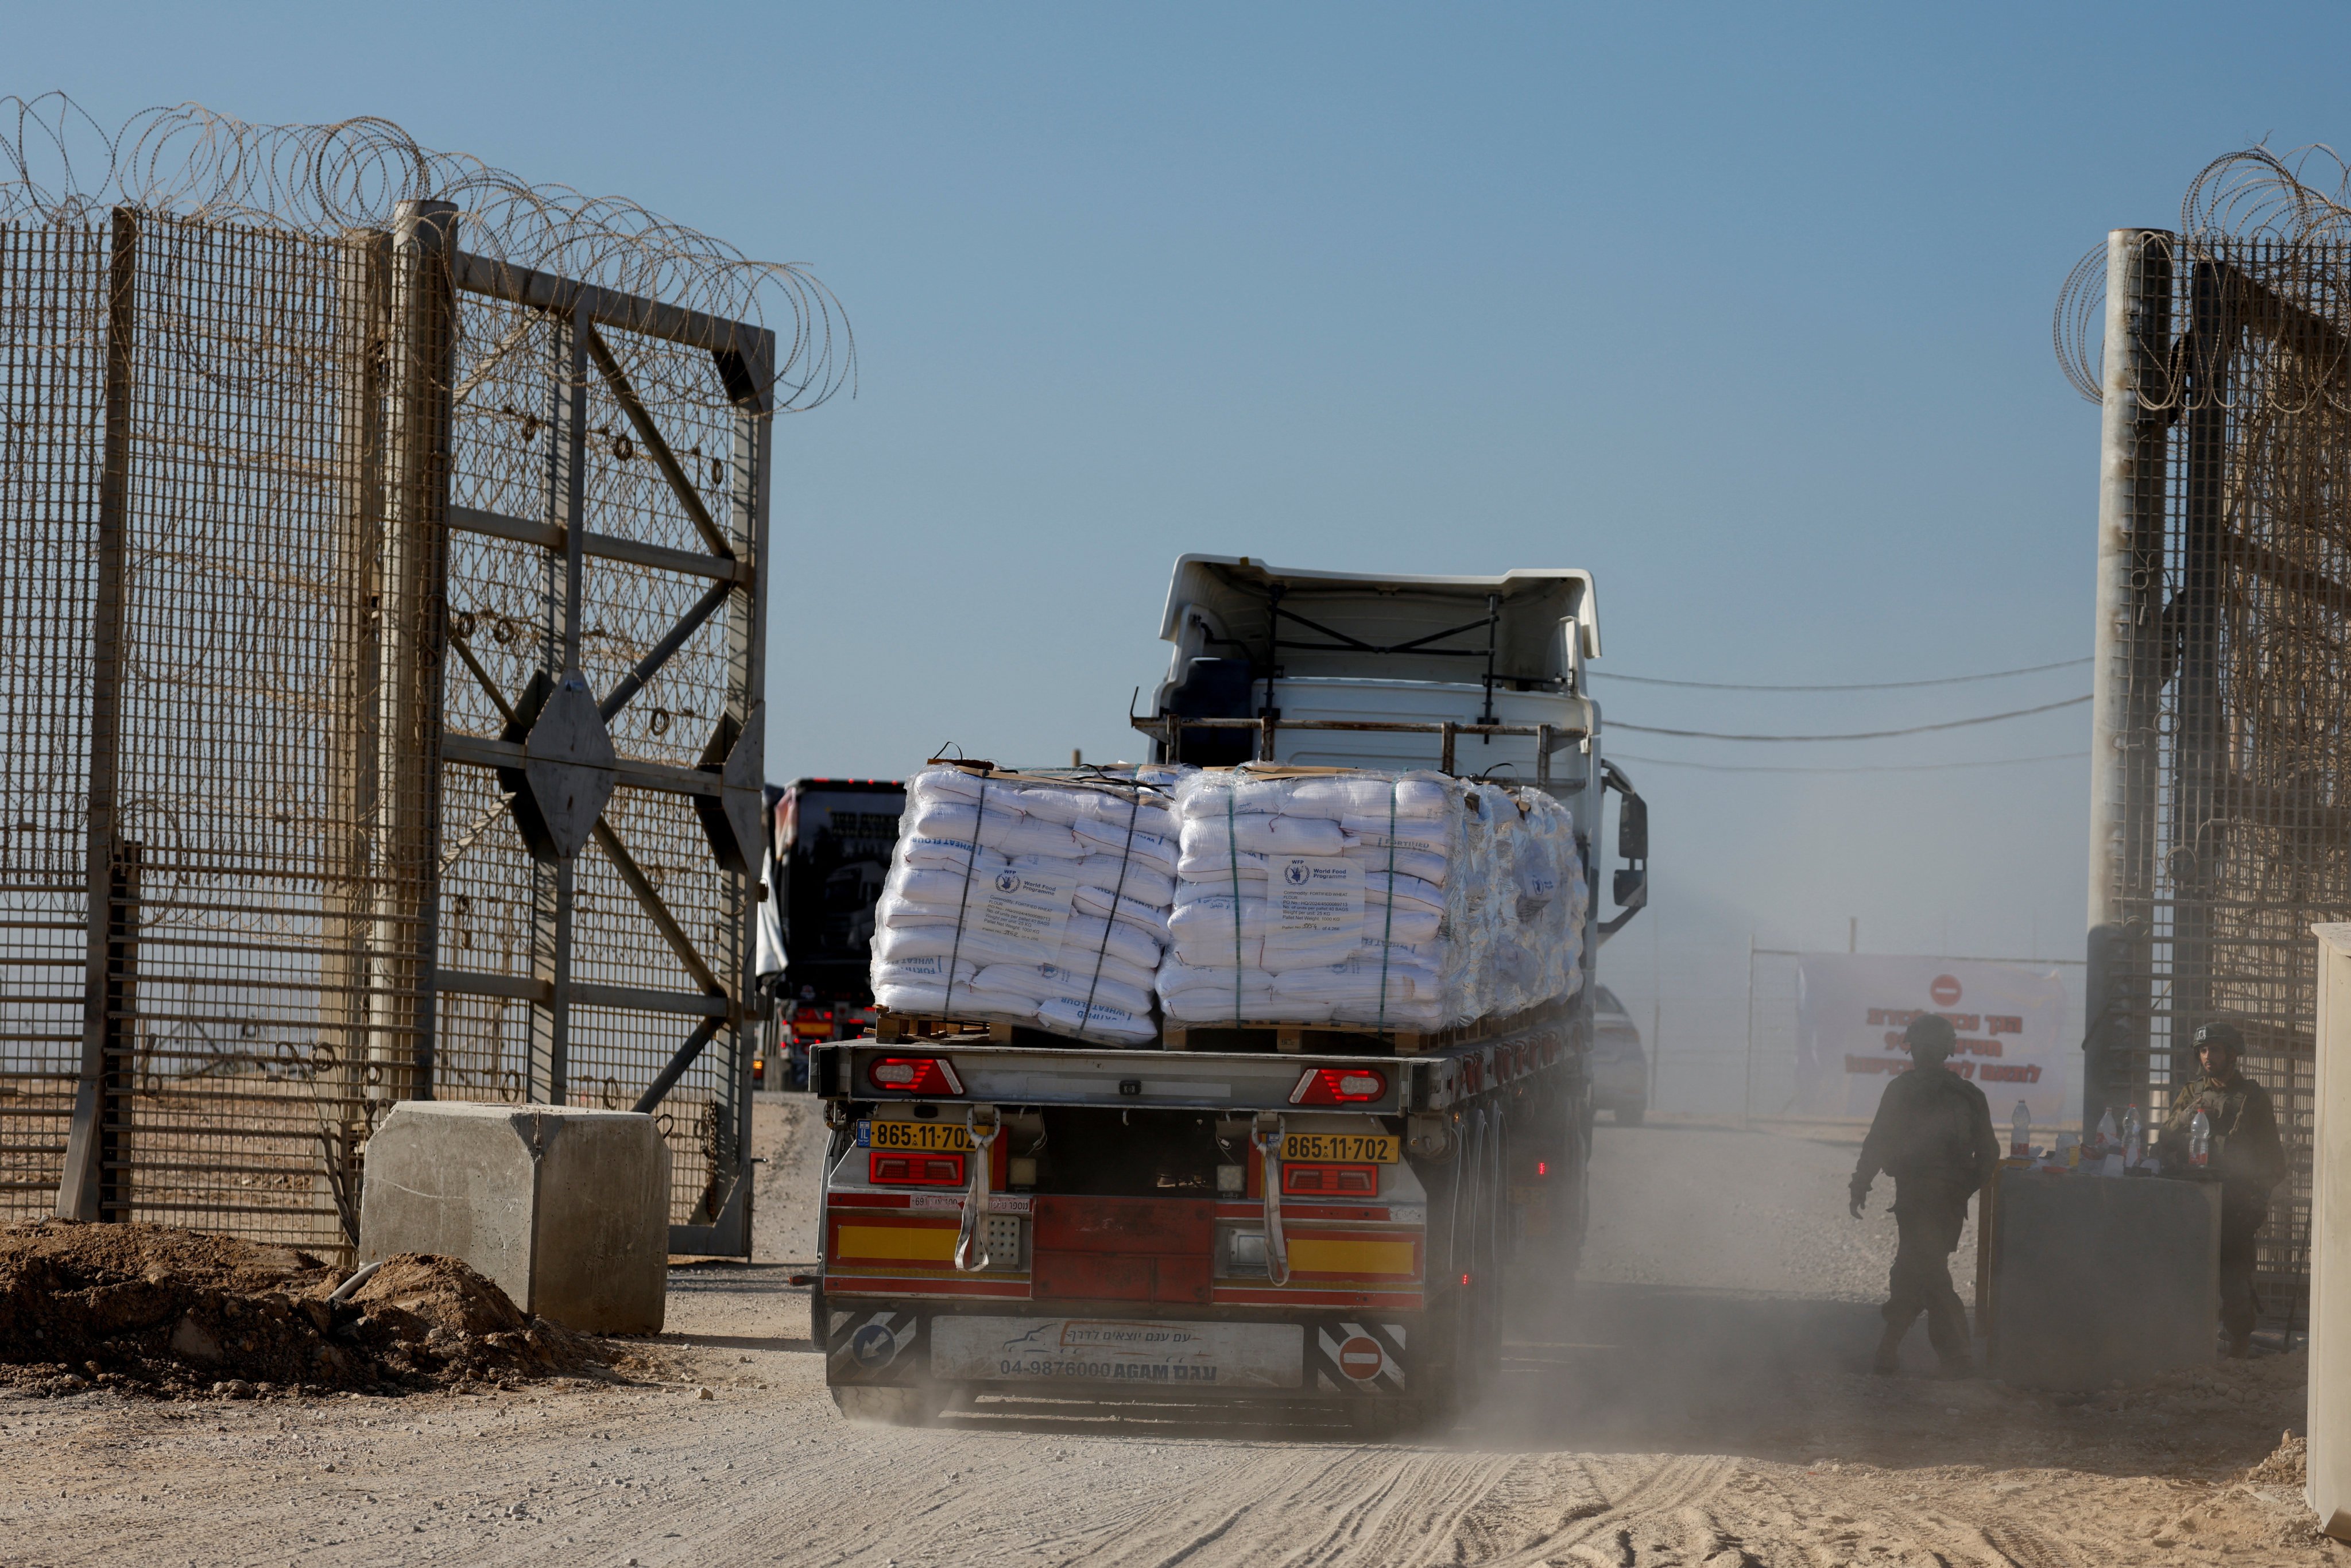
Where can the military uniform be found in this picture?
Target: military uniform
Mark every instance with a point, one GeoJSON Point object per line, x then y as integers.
{"type": "Point", "coordinates": [1933, 1134]}
{"type": "Point", "coordinates": [2248, 1162]}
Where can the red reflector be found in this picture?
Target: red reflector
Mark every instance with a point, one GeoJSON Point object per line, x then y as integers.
{"type": "Point", "coordinates": [925, 1075]}
{"type": "Point", "coordinates": [1339, 1086]}
{"type": "Point", "coordinates": [1465, 1278]}
{"type": "Point", "coordinates": [1329, 1181]}
{"type": "Point", "coordinates": [1542, 1168]}
{"type": "Point", "coordinates": [914, 1170]}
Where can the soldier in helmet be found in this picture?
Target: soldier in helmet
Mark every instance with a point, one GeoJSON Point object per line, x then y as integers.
{"type": "Point", "coordinates": [1933, 1134]}
{"type": "Point", "coordinates": [2246, 1157]}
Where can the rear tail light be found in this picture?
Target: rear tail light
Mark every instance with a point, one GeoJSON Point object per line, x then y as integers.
{"type": "Point", "coordinates": [924, 1075]}
{"type": "Point", "coordinates": [915, 1170]}
{"type": "Point", "coordinates": [1339, 1086]}
{"type": "Point", "coordinates": [1329, 1181]}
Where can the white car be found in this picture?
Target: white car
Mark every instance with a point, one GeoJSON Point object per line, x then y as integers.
{"type": "Point", "coordinates": [1620, 1068]}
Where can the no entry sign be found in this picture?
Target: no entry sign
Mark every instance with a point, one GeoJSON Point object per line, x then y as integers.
{"type": "Point", "coordinates": [2015, 1040]}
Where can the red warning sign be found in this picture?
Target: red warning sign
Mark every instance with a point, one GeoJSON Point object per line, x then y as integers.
{"type": "Point", "coordinates": [1945, 990]}
{"type": "Point", "coordinates": [1360, 1358]}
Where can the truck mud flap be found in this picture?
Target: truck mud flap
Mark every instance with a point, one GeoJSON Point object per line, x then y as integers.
{"type": "Point", "coordinates": [1355, 1356]}
{"type": "Point", "coordinates": [874, 1347]}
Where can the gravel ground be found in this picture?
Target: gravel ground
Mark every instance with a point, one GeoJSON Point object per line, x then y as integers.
{"type": "Point", "coordinates": [1701, 1401]}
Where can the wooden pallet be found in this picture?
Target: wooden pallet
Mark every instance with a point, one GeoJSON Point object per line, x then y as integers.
{"type": "Point", "coordinates": [900, 1029]}
{"type": "Point", "coordinates": [1322, 1039]}
{"type": "Point", "coordinates": [1328, 1038]}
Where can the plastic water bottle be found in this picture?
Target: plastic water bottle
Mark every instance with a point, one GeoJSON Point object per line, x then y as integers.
{"type": "Point", "coordinates": [2199, 1138]}
{"type": "Point", "coordinates": [2020, 1134]}
{"type": "Point", "coordinates": [2133, 1137]}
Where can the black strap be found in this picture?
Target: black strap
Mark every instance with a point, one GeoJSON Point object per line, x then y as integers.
{"type": "Point", "coordinates": [1125, 858]}
{"type": "Point", "coordinates": [1387, 926]}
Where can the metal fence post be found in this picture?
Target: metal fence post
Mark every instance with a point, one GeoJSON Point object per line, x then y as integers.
{"type": "Point", "coordinates": [749, 379]}
{"type": "Point", "coordinates": [2199, 804]}
{"type": "Point", "coordinates": [2128, 677]}
{"type": "Point", "coordinates": [96, 1111]}
{"type": "Point", "coordinates": [417, 573]}
{"type": "Point", "coordinates": [356, 735]}
{"type": "Point", "coordinates": [552, 883]}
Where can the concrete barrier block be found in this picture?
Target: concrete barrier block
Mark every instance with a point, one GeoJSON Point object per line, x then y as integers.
{"type": "Point", "coordinates": [567, 1210]}
{"type": "Point", "coordinates": [2096, 1282]}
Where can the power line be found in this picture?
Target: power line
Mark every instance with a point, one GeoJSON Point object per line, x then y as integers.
{"type": "Point", "coordinates": [1881, 767]}
{"type": "Point", "coordinates": [1859, 733]}
{"type": "Point", "coordinates": [1856, 687]}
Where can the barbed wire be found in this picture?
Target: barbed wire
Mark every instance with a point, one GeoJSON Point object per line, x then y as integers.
{"type": "Point", "coordinates": [2295, 206]}
{"type": "Point", "coordinates": [59, 166]}
{"type": "Point", "coordinates": [2078, 328]}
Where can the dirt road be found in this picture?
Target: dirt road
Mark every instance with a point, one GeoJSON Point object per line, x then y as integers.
{"type": "Point", "coordinates": [1702, 1401]}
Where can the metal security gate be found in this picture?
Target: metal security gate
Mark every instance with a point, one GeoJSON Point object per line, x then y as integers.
{"type": "Point", "coordinates": [380, 667]}
{"type": "Point", "coordinates": [2222, 747]}
{"type": "Point", "coordinates": [602, 767]}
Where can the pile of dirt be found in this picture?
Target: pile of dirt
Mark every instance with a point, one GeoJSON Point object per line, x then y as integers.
{"type": "Point", "coordinates": [180, 1313]}
{"type": "Point", "coordinates": [2288, 1465]}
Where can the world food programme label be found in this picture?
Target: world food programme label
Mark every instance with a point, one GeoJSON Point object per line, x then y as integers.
{"type": "Point", "coordinates": [1203, 1356]}
{"type": "Point", "coordinates": [1024, 907]}
{"type": "Point", "coordinates": [1316, 893]}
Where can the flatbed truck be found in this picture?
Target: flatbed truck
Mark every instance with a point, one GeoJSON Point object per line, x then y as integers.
{"type": "Point", "coordinates": [1313, 1217]}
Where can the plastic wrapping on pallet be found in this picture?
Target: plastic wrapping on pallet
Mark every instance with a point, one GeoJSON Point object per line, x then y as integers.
{"type": "Point", "coordinates": [1407, 901]}
{"type": "Point", "coordinates": [1036, 899]}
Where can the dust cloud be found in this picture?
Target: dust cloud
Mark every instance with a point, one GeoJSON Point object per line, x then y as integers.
{"type": "Point", "coordinates": [1722, 1282]}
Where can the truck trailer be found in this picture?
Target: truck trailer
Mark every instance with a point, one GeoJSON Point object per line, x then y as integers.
{"type": "Point", "coordinates": [1295, 1216]}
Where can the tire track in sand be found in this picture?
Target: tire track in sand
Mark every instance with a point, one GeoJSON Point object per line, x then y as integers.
{"type": "Point", "coordinates": [1405, 1499]}
{"type": "Point", "coordinates": [1670, 1486]}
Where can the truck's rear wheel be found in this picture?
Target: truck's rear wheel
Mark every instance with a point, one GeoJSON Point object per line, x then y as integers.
{"type": "Point", "coordinates": [887, 1407]}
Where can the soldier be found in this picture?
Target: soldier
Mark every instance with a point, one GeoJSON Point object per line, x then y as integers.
{"type": "Point", "coordinates": [1933, 1134]}
{"type": "Point", "coordinates": [2246, 1157]}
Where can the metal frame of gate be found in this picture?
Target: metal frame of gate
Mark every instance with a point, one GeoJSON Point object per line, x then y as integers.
{"type": "Point", "coordinates": [253, 503]}
{"type": "Point", "coordinates": [2218, 755]}
{"type": "Point", "coordinates": [554, 758]}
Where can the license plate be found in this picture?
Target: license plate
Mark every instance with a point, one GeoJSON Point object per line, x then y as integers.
{"type": "Point", "coordinates": [925, 1137]}
{"type": "Point", "coordinates": [1379, 1148]}
{"type": "Point", "coordinates": [1121, 1350]}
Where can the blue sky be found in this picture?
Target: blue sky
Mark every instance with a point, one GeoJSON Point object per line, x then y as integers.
{"type": "Point", "coordinates": [1744, 309]}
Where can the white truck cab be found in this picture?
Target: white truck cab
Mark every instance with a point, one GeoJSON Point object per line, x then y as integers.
{"type": "Point", "coordinates": [1472, 675]}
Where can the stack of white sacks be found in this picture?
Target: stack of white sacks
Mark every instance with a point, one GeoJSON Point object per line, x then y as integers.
{"type": "Point", "coordinates": [1030, 900]}
{"type": "Point", "coordinates": [1407, 901]}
